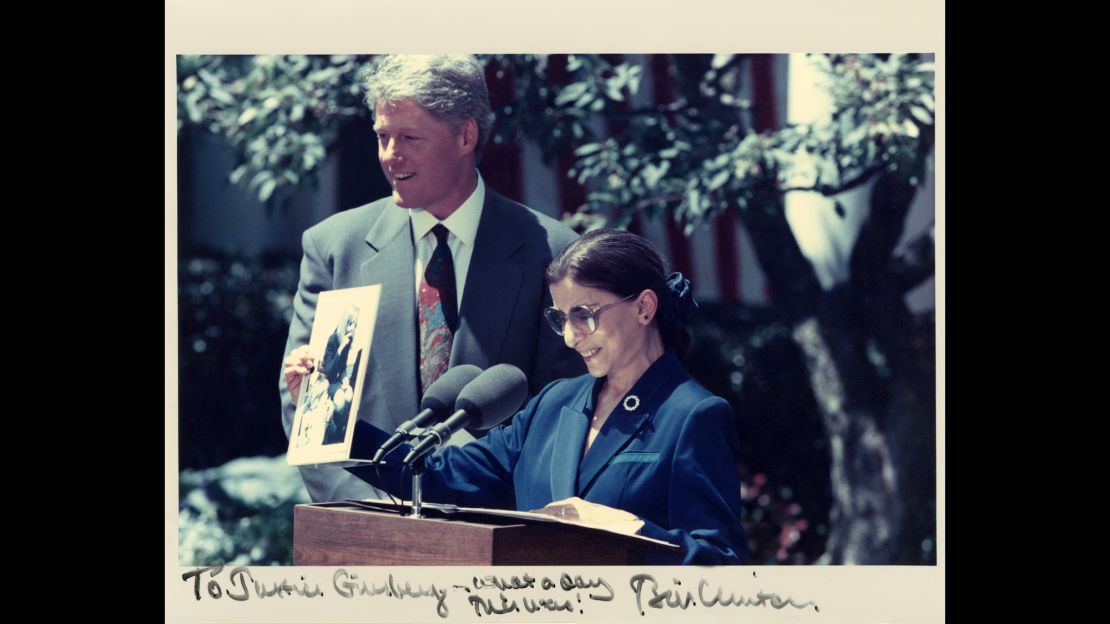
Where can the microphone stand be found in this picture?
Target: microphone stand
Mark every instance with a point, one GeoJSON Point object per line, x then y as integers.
{"type": "Point", "coordinates": [417, 465]}
{"type": "Point", "coordinates": [417, 493]}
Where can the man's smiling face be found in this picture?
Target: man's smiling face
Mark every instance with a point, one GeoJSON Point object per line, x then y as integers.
{"type": "Point", "coordinates": [428, 164]}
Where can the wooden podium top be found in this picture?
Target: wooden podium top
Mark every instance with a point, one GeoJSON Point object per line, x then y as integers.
{"type": "Point", "coordinates": [335, 534]}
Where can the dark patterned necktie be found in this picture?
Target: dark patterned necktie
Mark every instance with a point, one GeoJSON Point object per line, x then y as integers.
{"type": "Point", "coordinates": [438, 311]}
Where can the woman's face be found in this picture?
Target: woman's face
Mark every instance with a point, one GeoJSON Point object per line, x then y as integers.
{"type": "Point", "coordinates": [619, 337]}
{"type": "Point", "coordinates": [352, 321]}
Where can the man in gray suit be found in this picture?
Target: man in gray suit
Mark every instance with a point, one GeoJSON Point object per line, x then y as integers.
{"type": "Point", "coordinates": [432, 116]}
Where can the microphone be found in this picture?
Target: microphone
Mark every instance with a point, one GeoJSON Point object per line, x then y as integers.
{"type": "Point", "coordinates": [492, 397]}
{"type": "Point", "coordinates": [435, 405]}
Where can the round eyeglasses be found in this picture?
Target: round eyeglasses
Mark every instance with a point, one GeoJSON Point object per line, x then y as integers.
{"type": "Point", "coordinates": [583, 319]}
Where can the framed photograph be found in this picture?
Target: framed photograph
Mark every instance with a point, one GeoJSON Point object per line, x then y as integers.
{"type": "Point", "coordinates": [327, 408]}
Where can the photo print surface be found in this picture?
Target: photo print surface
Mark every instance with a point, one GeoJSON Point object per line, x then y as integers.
{"type": "Point", "coordinates": [328, 404]}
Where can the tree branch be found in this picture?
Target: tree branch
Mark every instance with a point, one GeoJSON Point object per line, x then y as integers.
{"type": "Point", "coordinates": [665, 199]}
{"type": "Point", "coordinates": [828, 190]}
{"type": "Point", "coordinates": [915, 263]}
{"type": "Point", "coordinates": [889, 204]}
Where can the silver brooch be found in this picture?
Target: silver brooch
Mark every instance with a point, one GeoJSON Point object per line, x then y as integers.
{"type": "Point", "coordinates": [631, 402]}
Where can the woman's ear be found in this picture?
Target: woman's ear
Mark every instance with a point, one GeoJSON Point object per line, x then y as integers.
{"type": "Point", "coordinates": [649, 305]}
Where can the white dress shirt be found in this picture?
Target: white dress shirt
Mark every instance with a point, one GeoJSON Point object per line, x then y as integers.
{"type": "Point", "coordinates": [462, 226]}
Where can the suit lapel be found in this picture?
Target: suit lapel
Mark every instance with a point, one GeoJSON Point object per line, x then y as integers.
{"type": "Point", "coordinates": [393, 352]}
{"type": "Point", "coordinates": [568, 442]}
{"type": "Point", "coordinates": [615, 434]}
{"type": "Point", "coordinates": [622, 425]}
{"type": "Point", "coordinates": [492, 285]}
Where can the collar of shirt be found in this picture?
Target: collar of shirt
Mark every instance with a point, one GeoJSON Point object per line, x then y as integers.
{"type": "Point", "coordinates": [463, 223]}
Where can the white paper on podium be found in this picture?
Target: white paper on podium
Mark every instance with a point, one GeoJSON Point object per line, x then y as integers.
{"type": "Point", "coordinates": [527, 516]}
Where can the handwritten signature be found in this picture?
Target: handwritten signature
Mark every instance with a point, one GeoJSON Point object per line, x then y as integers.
{"type": "Point", "coordinates": [678, 598]}
{"type": "Point", "coordinates": [563, 593]}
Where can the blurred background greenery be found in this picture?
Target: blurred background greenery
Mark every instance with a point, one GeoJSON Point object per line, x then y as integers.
{"type": "Point", "coordinates": [832, 381]}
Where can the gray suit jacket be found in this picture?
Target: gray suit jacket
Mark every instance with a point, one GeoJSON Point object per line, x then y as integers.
{"type": "Point", "coordinates": [500, 320]}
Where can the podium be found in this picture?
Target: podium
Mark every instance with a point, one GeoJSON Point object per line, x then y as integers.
{"type": "Point", "coordinates": [346, 534]}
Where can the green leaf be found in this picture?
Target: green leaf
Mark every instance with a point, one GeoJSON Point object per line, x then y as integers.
{"type": "Point", "coordinates": [601, 196]}
{"type": "Point", "coordinates": [267, 189]}
{"type": "Point", "coordinates": [634, 76]}
{"type": "Point", "coordinates": [857, 135]}
{"type": "Point", "coordinates": [587, 149]}
{"type": "Point", "coordinates": [693, 199]}
{"type": "Point", "coordinates": [208, 77]}
{"type": "Point", "coordinates": [259, 178]}
{"type": "Point", "coordinates": [323, 75]}
{"type": "Point", "coordinates": [719, 180]}
{"type": "Point", "coordinates": [571, 92]}
{"type": "Point", "coordinates": [237, 174]}
{"type": "Point", "coordinates": [613, 90]}
{"type": "Point", "coordinates": [247, 115]}
{"type": "Point", "coordinates": [720, 60]}
{"type": "Point", "coordinates": [921, 114]}
{"type": "Point", "coordinates": [192, 111]}
{"type": "Point", "coordinates": [654, 173]}
{"type": "Point", "coordinates": [222, 96]}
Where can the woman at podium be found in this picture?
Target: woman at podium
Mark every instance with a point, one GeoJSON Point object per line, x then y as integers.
{"type": "Point", "coordinates": [636, 444]}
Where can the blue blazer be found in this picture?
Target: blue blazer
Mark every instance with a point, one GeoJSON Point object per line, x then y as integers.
{"type": "Point", "coordinates": [672, 461]}
{"type": "Point", "coordinates": [500, 321]}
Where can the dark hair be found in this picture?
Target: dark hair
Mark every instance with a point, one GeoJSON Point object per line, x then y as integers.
{"type": "Point", "coordinates": [625, 264]}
